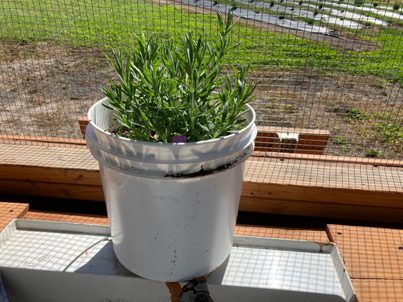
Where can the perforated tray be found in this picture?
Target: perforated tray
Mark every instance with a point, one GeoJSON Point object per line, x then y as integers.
{"type": "Point", "coordinates": [257, 269]}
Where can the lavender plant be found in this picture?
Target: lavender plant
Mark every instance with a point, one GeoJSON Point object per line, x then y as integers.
{"type": "Point", "coordinates": [165, 91]}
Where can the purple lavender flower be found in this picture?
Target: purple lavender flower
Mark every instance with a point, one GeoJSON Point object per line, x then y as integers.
{"type": "Point", "coordinates": [179, 139]}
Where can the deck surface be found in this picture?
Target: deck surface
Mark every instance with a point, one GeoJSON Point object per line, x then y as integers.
{"type": "Point", "coordinates": [374, 259]}
{"type": "Point", "coordinates": [10, 211]}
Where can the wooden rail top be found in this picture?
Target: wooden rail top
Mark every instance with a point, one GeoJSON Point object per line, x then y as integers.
{"type": "Point", "coordinates": [271, 185]}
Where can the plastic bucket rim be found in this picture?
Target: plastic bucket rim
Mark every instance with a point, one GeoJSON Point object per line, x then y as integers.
{"type": "Point", "coordinates": [94, 143]}
{"type": "Point", "coordinates": [190, 144]}
{"type": "Point", "coordinates": [159, 175]}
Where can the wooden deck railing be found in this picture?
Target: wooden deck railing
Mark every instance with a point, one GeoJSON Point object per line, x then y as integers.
{"type": "Point", "coordinates": [271, 185]}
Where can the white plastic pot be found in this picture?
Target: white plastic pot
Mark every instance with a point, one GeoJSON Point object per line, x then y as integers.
{"type": "Point", "coordinates": [172, 207]}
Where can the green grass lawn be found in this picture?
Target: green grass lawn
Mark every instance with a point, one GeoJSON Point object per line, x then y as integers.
{"type": "Point", "coordinates": [102, 23]}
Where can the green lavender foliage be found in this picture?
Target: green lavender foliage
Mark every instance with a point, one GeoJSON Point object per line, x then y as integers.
{"type": "Point", "coordinates": [165, 90]}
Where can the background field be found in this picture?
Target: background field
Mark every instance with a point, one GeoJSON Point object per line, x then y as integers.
{"type": "Point", "coordinates": [350, 81]}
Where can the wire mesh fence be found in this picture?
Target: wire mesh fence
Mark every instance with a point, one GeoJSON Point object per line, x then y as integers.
{"type": "Point", "coordinates": [329, 95]}
{"type": "Point", "coordinates": [329, 74]}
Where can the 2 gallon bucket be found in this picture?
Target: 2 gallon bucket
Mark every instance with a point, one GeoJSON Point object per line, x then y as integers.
{"type": "Point", "coordinates": [172, 208]}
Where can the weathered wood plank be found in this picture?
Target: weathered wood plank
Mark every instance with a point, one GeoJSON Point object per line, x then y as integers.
{"type": "Point", "coordinates": [322, 210]}
{"type": "Point", "coordinates": [330, 158]}
{"type": "Point", "coordinates": [336, 195]}
{"type": "Point", "coordinates": [273, 129]}
{"type": "Point", "coordinates": [370, 252]}
{"type": "Point", "coordinates": [84, 170]}
{"type": "Point", "coordinates": [4, 138]}
{"type": "Point", "coordinates": [67, 217]}
{"type": "Point", "coordinates": [316, 235]}
{"type": "Point", "coordinates": [324, 175]}
{"type": "Point", "coordinates": [50, 174]}
{"type": "Point", "coordinates": [310, 141]}
{"type": "Point", "coordinates": [47, 156]}
{"type": "Point", "coordinates": [378, 290]}
{"type": "Point", "coordinates": [10, 211]}
{"type": "Point", "coordinates": [262, 153]}
{"type": "Point", "coordinates": [297, 187]}
{"type": "Point", "coordinates": [49, 189]}
{"type": "Point", "coordinates": [373, 257]}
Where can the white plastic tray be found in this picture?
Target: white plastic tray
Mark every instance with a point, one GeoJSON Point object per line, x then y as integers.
{"type": "Point", "coordinates": [46, 261]}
